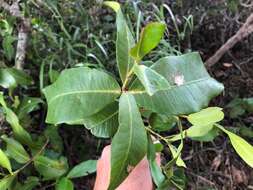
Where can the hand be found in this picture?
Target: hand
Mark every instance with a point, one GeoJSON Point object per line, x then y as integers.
{"type": "Point", "coordinates": [139, 178]}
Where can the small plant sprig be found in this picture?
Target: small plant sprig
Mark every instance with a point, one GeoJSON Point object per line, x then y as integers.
{"type": "Point", "coordinates": [172, 89]}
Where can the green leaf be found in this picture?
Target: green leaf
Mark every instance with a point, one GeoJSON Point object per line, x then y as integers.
{"type": "Point", "coordinates": [113, 4]}
{"type": "Point", "coordinates": [238, 107]}
{"type": "Point", "coordinates": [150, 37]}
{"type": "Point", "coordinates": [6, 182]}
{"type": "Point", "coordinates": [5, 162]}
{"type": "Point", "coordinates": [179, 162]}
{"type": "Point", "coordinates": [53, 75]}
{"type": "Point", "coordinates": [176, 152]}
{"type": "Point", "coordinates": [8, 47]}
{"type": "Point", "coordinates": [27, 105]}
{"type": "Point", "coordinates": [246, 131]}
{"type": "Point", "coordinates": [203, 122]}
{"type": "Point", "coordinates": [54, 138]}
{"type": "Point", "coordinates": [29, 184]}
{"type": "Point", "coordinates": [104, 123]}
{"type": "Point", "coordinates": [201, 133]}
{"type": "Point", "coordinates": [10, 78]}
{"type": "Point", "coordinates": [198, 133]}
{"type": "Point", "coordinates": [248, 102]}
{"type": "Point", "coordinates": [129, 145]}
{"type": "Point", "coordinates": [178, 179]}
{"type": "Point", "coordinates": [156, 171]}
{"type": "Point", "coordinates": [79, 93]}
{"type": "Point", "coordinates": [6, 27]}
{"type": "Point", "coordinates": [19, 132]}
{"type": "Point", "coordinates": [20, 76]}
{"type": "Point", "coordinates": [206, 116]}
{"type": "Point", "coordinates": [161, 123]}
{"type": "Point", "coordinates": [64, 184]}
{"type": "Point", "coordinates": [15, 150]}
{"type": "Point", "coordinates": [242, 147]}
{"type": "Point", "coordinates": [191, 87]}
{"type": "Point", "coordinates": [233, 5]}
{"type": "Point", "coordinates": [124, 42]}
{"type": "Point", "coordinates": [150, 79]}
{"type": "Point", "coordinates": [6, 79]}
{"type": "Point", "coordinates": [83, 169]}
{"type": "Point", "coordinates": [49, 168]}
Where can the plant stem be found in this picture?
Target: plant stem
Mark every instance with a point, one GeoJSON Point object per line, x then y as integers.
{"type": "Point", "coordinates": [156, 134]}
{"type": "Point", "coordinates": [129, 76]}
{"type": "Point", "coordinates": [32, 159]}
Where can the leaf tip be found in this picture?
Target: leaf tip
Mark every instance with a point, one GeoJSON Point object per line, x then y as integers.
{"type": "Point", "coordinates": [113, 4]}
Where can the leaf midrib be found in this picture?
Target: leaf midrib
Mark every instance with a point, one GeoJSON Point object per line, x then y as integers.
{"type": "Point", "coordinates": [130, 133]}
{"type": "Point", "coordinates": [84, 92]}
{"type": "Point", "coordinates": [171, 87]}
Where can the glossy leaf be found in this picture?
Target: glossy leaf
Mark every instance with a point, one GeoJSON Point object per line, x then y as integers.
{"type": "Point", "coordinates": [49, 168]}
{"type": "Point", "coordinates": [191, 86]}
{"type": "Point", "coordinates": [64, 184]}
{"type": "Point", "coordinates": [20, 76]}
{"type": "Point", "coordinates": [129, 144]}
{"type": "Point", "coordinates": [4, 161]}
{"type": "Point", "coordinates": [150, 79]}
{"type": "Point", "coordinates": [10, 78]}
{"type": "Point", "coordinates": [104, 123]}
{"type": "Point", "coordinates": [124, 42]}
{"type": "Point", "coordinates": [150, 38]}
{"type": "Point", "coordinates": [206, 116]}
{"type": "Point", "coordinates": [83, 169]}
{"type": "Point", "coordinates": [6, 182]}
{"type": "Point", "coordinates": [156, 171]}
{"type": "Point", "coordinates": [27, 105]}
{"type": "Point", "coordinates": [242, 147]}
{"type": "Point", "coordinates": [90, 90]}
{"type": "Point", "coordinates": [15, 150]}
{"type": "Point", "coordinates": [19, 132]}
{"type": "Point", "coordinates": [6, 79]}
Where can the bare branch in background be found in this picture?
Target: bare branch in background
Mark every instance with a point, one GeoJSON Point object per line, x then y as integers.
{"type": "Point", "coordinates": [23, 31]}
{"type": "Point", "coordinates": [244, 32]}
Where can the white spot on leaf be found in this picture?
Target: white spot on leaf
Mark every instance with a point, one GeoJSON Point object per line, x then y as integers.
{"type": "Point", "coordinates": [179, 80]}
